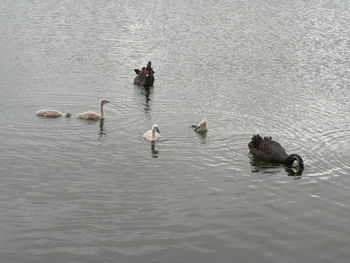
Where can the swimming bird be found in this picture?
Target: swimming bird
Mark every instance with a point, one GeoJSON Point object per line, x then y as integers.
{"type": "Point", "coordinates": [145, 76]}
{"type": "Point", "coordinates": [52, 113]}
{"type": "Point", "coordinates": [153, 134]}
{"type": "Point", "coordinates": [91, 115]}
{"type": "Point", "coordinates": [201, 127]}
{"type": "Point", "coordinates": [271, 151]}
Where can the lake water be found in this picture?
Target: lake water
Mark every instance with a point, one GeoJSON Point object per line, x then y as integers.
{"type": "Point", "coordinates": [73, 192]}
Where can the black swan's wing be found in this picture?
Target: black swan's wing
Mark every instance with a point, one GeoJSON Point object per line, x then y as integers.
{"type": "Point", "coordinates": [268, 150]}
{"type": "Point", "coordinates": [271, 147]}
{"type": "Point", "coordinates": [256, 152]}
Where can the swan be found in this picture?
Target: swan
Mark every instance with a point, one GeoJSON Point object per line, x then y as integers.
{"type": "Point", "coordinates": [271, 151]}
{"type": "Point", "coordinates": [152, 134]}
{"type": "Point", "coordinates": [145, 76]}
{"type": "Point", "coordinates": [201, 127]}
{"type": "Point", "coordinates": [90, 115]}
{"type": "Point", "coordinates": [52, 113]}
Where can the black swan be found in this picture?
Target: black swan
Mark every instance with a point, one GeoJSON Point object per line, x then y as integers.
{"type": "Point", "coordinates": [144, 77]}
{"type": "Point", "coordinates": [271, 151]}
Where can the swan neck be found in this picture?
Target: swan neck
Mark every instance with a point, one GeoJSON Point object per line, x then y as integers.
{"type": "Point", "coordinates": [295, 157]}
{"type": "Point", "coordinates": [153, 133]}
{"type": "Point", "coordinates": [102, 112]}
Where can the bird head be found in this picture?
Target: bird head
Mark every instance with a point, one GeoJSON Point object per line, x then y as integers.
{"type": "Point", "coordinates": [155, 128]}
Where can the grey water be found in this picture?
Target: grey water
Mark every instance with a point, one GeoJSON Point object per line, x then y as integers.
{"type": "Point", "coordinates": [83, 191]}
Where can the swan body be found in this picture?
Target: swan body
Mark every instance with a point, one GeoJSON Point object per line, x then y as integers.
{"type": "Point", "coordinates": [201, 127]}
{"type": "Point", "coordinates": [152, 134]}
{"type": "Point", "coordinates": [271, 151]}
{"type": "Point", "coordinates": [52, 113]}
{"type": "Point", "coordinates": [91, 115]}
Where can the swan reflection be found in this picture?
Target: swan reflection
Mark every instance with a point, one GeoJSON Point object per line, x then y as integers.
{"type": "Point", "coordinates": [144, 97]}
{"type": "Point", "coordinates": [101, 131]}
{"type": "Point", "coordinates": [259, 166]}
{"type": "Point", "coordinates": [154, 151]}
{"type": "Point", "coordinates": [147, 94]}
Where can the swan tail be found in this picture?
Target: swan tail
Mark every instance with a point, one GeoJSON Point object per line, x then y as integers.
{"type": "Point", "coordinates": [256, 141]}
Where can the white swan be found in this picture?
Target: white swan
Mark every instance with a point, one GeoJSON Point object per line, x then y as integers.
{"type": "Point", "coordinates": [153, 134]}
{"type": "Point", "coordinates": [91, 115]}
{"type": "Point", "coordinates": [52, 113]}
{"type": "Point", "coordinates": [201, 127]}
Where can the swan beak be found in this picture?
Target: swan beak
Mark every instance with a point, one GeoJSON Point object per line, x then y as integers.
{"type": "Point", "coordinates": [158, 130]}
{"type": "Point", "coordinates": [107, 101]}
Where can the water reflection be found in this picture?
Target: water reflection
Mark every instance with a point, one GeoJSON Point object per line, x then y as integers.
{"type": "Point", "coordinates": [147, 93]}
{"type": "Point", "coordinates": [202, 135]}
{"type": "Point", "coordinates": [272, 168]}
{"type": "Point", "coordinates": [145, 98]}
{"type": "Point", "coordinates": [296, 172]}
{"type": "Point", "coordinates": [153, 150]}
{"type": "Point", "coordinates": [101, 132]}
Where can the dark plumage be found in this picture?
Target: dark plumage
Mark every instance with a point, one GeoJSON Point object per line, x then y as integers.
{"type": "Point", "coordinates": [144, 77]}
{"type": "Point", "coordinates": [271, 151]}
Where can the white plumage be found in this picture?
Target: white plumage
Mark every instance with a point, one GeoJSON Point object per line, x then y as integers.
{"type": "Point", "coordinates": [152, 134]}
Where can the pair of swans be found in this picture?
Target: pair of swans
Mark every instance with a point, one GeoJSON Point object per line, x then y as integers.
{"type": "Point", "coordinates": [87, 115]}
{"type": "Point", "coordinates": [153, 134]}
{"type": "Point", "coordinates": [264, 148]}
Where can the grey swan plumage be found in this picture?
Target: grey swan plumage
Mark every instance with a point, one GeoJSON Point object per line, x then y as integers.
{"type": "Point", "coordinates": [271, 151]}
{"type": "Point", "coordinates": [52, 113]}
{"type": "Point", "coordinates": [201, 127]}
{"type": "Point", "coordinates": [91, 115]}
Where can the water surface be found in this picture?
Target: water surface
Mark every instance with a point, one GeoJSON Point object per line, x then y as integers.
{"type": "Point", "coordinates": [77, 191]}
